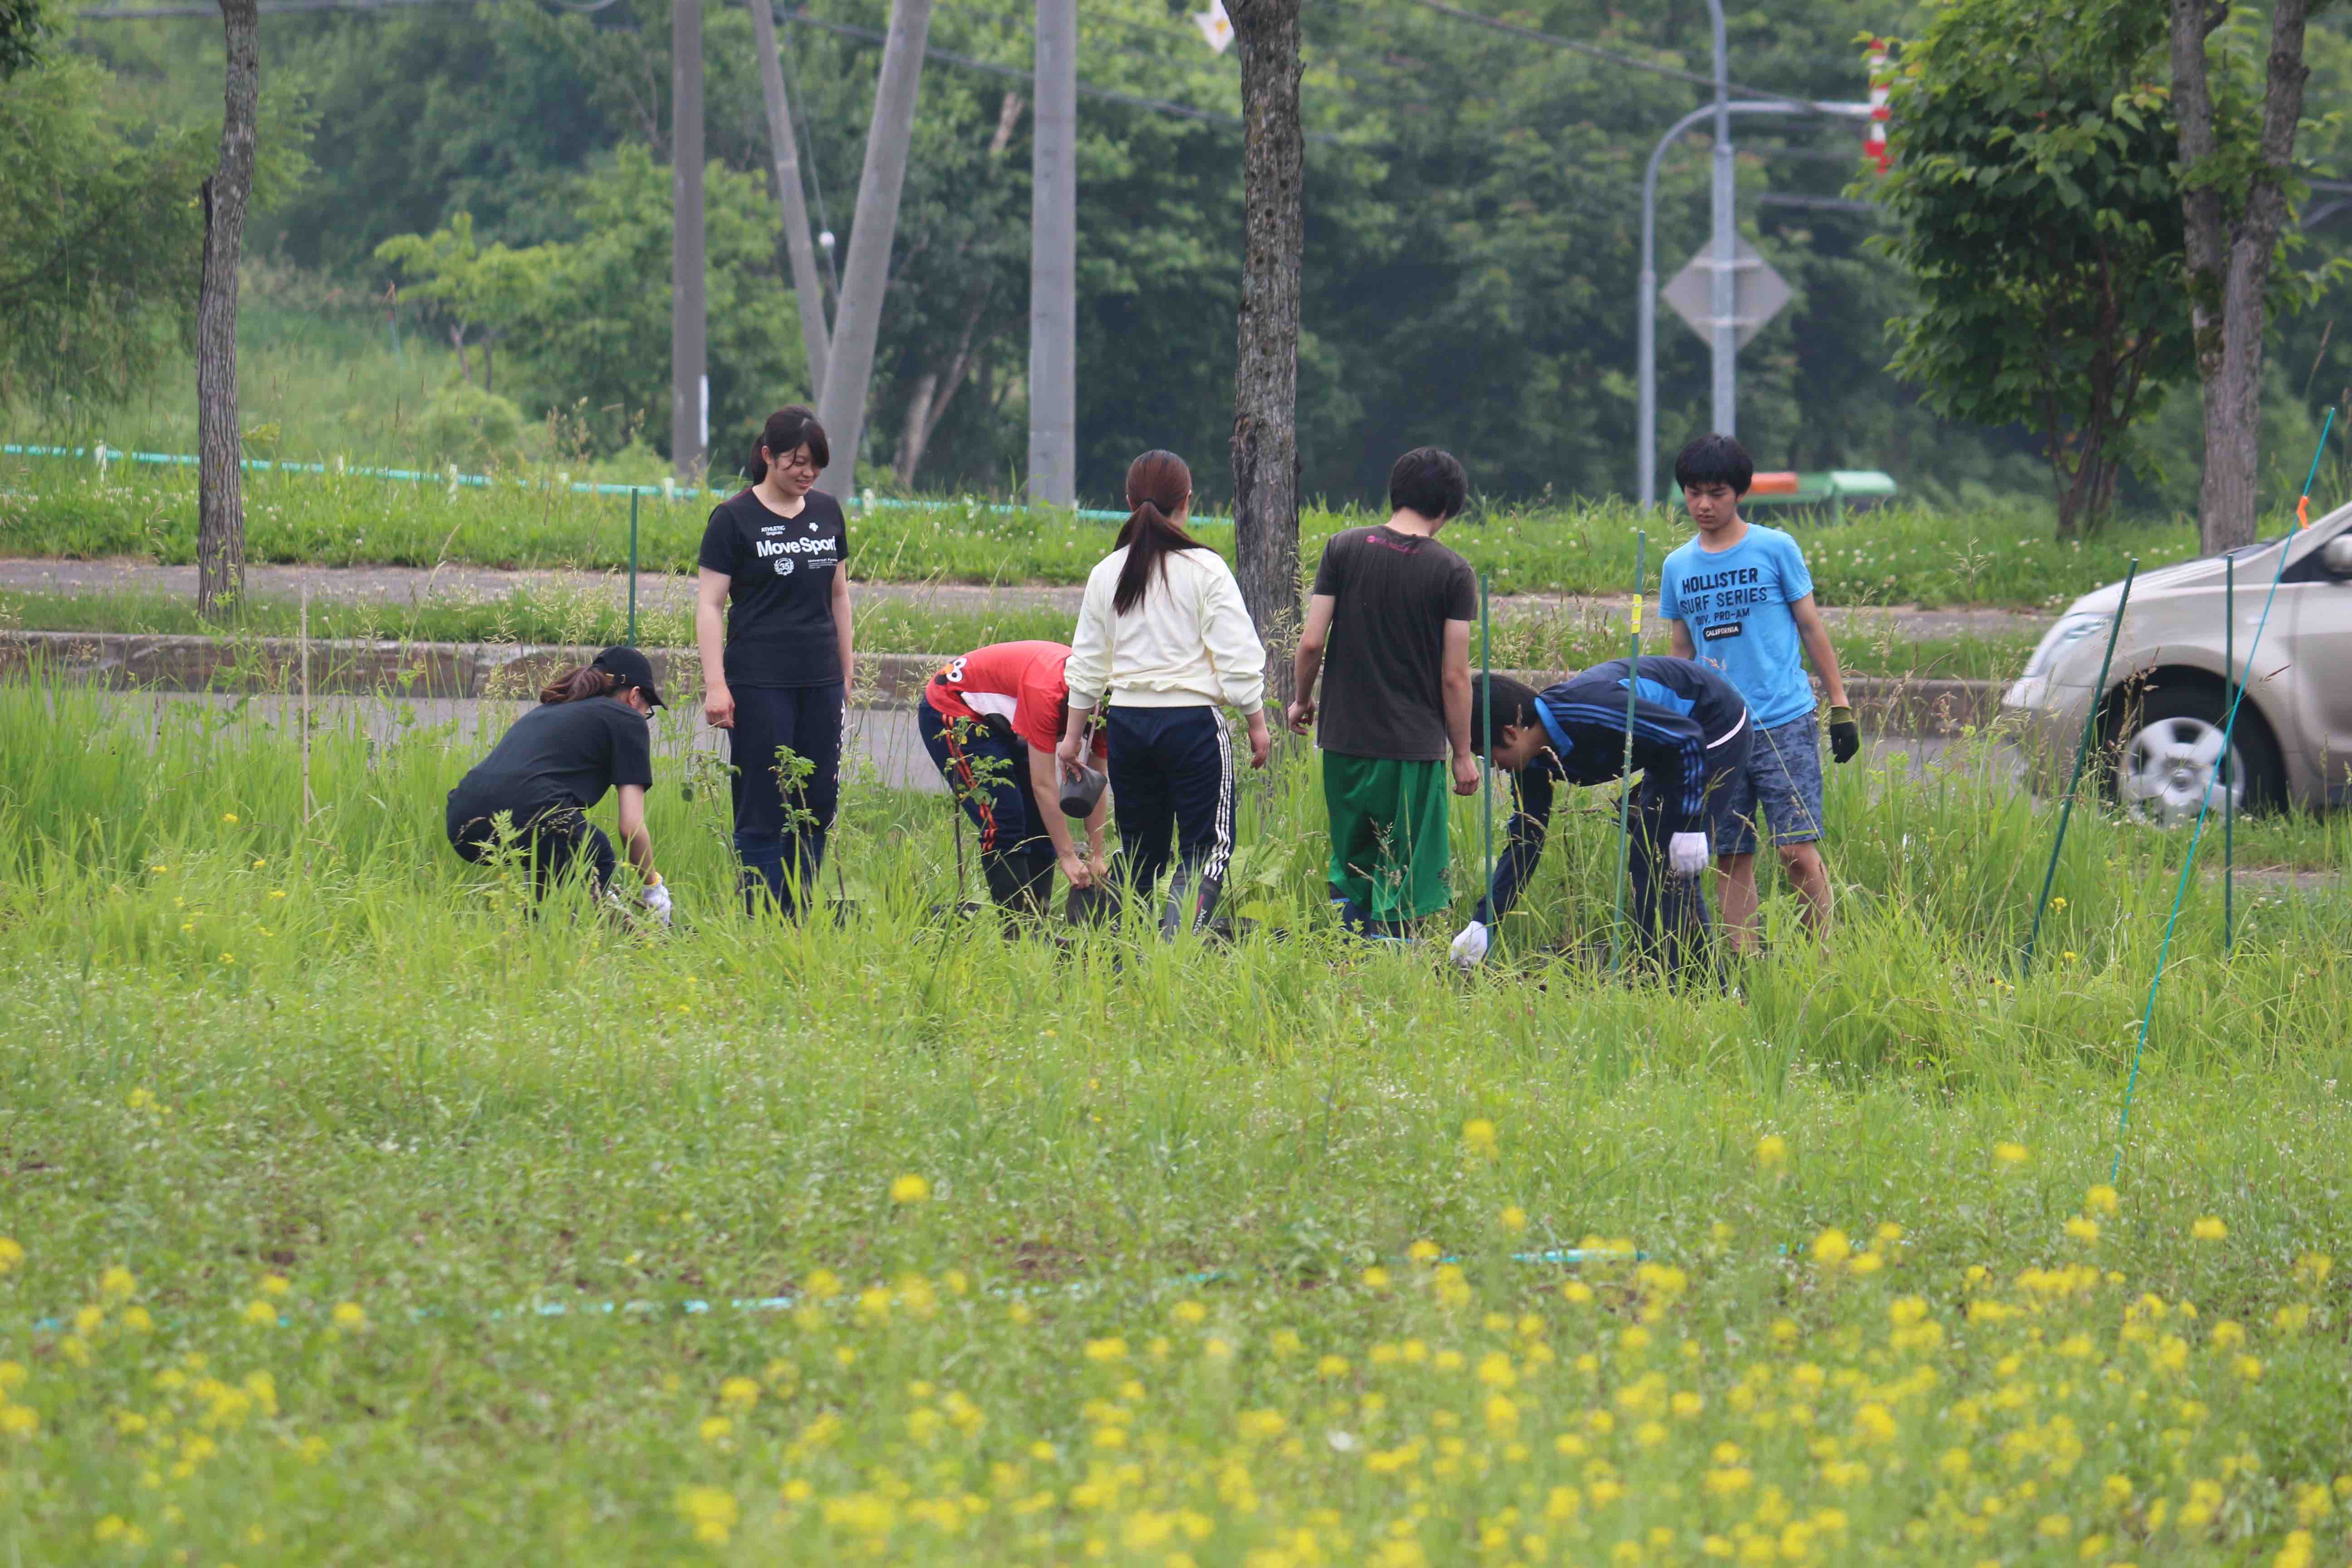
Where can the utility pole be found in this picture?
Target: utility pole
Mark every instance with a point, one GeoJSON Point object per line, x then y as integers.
{"type": "Point", "coordinates": [689, 381]}
{"type": "Point", "coordinates": [785, 152]}
{"type": "Point", "coordinates": [1054, 261]}
{"type": "Point", "coordinates": [1723, 236]}
{"type": "Point", "coordinates": [849, 367]}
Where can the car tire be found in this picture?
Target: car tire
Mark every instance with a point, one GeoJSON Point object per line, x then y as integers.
{"type": "Point", "coordinates": [2165, 743]}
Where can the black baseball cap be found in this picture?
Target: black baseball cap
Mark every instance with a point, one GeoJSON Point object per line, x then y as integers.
{"type": "Point", "coordinates": [633, 668]}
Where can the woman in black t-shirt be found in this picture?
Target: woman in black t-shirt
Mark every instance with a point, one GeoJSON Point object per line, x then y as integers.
{"type": "Point", "coordinates": [587, 735]}
{"type": "Point", "coordinates": [772, 620]}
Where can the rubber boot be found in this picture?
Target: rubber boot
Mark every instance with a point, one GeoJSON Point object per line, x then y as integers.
{"type": "Point", "coordinates": [1001, 872]}
{"type": "Point", "coordinates": [763, 885]}
{"type": "Point", "coordinates": [1036, 893]}
{"type": "Point", "coordinates": [1205, 889]}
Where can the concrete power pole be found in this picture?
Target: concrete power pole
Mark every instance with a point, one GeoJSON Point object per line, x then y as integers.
{"type": "Point", "coordinates": [1724, 237]}
{"type": "Point", "coordinates": [785, 152]}
{"type": "Point", "coordinates": [1054, 261]}
{"type": "Point", "coordinates": [689, 381]}
{"type": "Point", "coordinates": [866, 274]}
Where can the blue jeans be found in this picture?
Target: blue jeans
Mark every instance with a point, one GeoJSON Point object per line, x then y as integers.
{"type": "Point", "coordinates": [779, 837]}
{"type": "Point", "coordinates": [1781, 784]}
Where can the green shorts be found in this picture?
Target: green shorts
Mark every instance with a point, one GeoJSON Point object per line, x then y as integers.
{"type": "Point", "coordinates": [1389, 848]}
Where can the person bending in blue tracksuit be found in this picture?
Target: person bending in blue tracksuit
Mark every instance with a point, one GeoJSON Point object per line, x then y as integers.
{"type": "Point", "coordinates": [1690, 734]}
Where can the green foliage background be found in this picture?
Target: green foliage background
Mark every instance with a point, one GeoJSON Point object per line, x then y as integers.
{"type": "Point", "coordinates": [1473, 225]}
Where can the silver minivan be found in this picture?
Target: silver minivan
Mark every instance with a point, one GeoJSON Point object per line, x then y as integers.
{"type": "Point", "coordinates": [2162, 708]}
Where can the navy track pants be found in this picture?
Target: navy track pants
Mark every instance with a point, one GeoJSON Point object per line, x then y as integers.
{"type": "Point", "coordinates": [1172, 777]}
{"type": "Point", "coordinates": [780, 836]}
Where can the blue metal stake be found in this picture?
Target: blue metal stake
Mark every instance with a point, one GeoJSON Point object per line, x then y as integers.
{"type": "Point", "coordinates": [2189, 864]}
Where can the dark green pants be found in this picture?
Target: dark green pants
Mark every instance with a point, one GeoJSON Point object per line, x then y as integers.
{"type": "Point", "coordinates": [1389, 848]}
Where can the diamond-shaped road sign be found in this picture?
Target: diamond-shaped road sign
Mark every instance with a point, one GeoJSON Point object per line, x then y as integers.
{"type": "Point", "coordinates": [1759, 293]}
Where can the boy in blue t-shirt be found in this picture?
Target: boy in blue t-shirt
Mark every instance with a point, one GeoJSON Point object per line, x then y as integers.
{"type": "Point", "coordinates": [1739, 599]}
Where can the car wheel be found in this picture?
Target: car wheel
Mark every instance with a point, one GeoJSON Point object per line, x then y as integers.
{"type": "Point", "coordinates": [2171, 741]}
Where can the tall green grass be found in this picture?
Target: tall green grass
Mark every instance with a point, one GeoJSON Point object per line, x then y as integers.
{"type": "Point", "coordinates": [1895, 554]}
{"type": "Point", "coordinates": [348, 1115]}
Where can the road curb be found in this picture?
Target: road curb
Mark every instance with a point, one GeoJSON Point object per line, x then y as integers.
{"type": "Point", "coordinates": [514, 671]}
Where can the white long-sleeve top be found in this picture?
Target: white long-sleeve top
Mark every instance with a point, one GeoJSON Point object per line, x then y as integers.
{"type": "Point", "coordinates": [1189, 643]}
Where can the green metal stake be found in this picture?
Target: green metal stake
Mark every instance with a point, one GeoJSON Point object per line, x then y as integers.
{"type": "Point", "coordinates": [1624, 788]}
{"type": "Point", "coordinates": [2229, 773]}
{"type": "Point", "coordinates": [1486, 729]}
{"type": "Point", "coordinates": [2189, 864]}
{"type": "Point", "coordinates": [633, 567]}
{"type": "Point", "coordinates": [2066, 808]}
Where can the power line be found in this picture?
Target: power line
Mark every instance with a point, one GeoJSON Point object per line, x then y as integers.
{"type": "Point", "coordinates": [1819, 204]}
{"type": "Point", "coordinates": [1631, 62]}
{"type": "Point", "coordinates": [1010, 73]}
{"type": "Point", "coordinates": [152, 13]}
{"type": "Point", "coordinates": [790, 18]}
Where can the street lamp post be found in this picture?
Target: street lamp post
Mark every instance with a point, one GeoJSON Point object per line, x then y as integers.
{"type": "Point", "coordinates": [1723, 295]}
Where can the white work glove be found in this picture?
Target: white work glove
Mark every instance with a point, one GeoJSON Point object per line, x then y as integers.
{"type": "Point", "coordinates": [1470, 947]}
{"type": "Point", "coordinates": [656, 902]}
{"type": "Point", "coordinates": [1686, 853]}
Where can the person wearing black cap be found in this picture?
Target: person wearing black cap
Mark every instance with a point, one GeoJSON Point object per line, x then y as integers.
{"type": "Point", "coordinates": [589, 734]}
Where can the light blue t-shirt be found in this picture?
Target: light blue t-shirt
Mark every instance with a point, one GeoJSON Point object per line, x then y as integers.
{"type": "Point", "coordinates": [1735, 603]}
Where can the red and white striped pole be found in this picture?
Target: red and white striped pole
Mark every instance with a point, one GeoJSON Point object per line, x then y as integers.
{"type": "Point", "coordinates": [1873, 139]}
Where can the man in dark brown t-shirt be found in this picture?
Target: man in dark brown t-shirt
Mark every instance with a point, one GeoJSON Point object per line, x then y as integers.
{"type": "Point", "coordinates": [1393, 608]}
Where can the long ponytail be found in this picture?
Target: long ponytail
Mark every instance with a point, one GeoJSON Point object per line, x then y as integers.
{"type": "Point", "coordinates": [1157, 486]}
{"type": "Point", "coordinates": [575, 682]}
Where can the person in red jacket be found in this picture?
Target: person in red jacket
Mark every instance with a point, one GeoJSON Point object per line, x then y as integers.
{"type": "Point", "coordinates": [992, 722]}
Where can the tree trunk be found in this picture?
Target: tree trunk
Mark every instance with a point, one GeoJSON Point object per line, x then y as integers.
{"type": "Point", "coordinates": [1266, 377]}
{"type": "Point", "coordinates": [464, 364]}
{"type": "Point", "coordinates": [2229, 261]}
{"type": "Point", "coordinates": [865, 273]}
{"type": "Point", "coordinates": [220, 490]}
{"type": "Point", "coordinates": [918, 430]}
{"type": "Point", "coordinates": [799, 249]}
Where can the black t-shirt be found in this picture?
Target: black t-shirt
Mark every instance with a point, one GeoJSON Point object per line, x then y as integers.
{"type": "Point", "coordinates": [1383, 667]}
{"type": "Point", "coordinates": [780, 629]}
{"type": "Point", "coordinates": [558, 754]}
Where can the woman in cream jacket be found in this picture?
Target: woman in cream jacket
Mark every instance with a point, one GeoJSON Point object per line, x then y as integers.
{"type": "Point", "coordinates": [1163, 643]}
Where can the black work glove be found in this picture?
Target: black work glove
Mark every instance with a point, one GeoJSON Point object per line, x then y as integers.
{"type": "Point", "coordinates": [1845, 736]}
